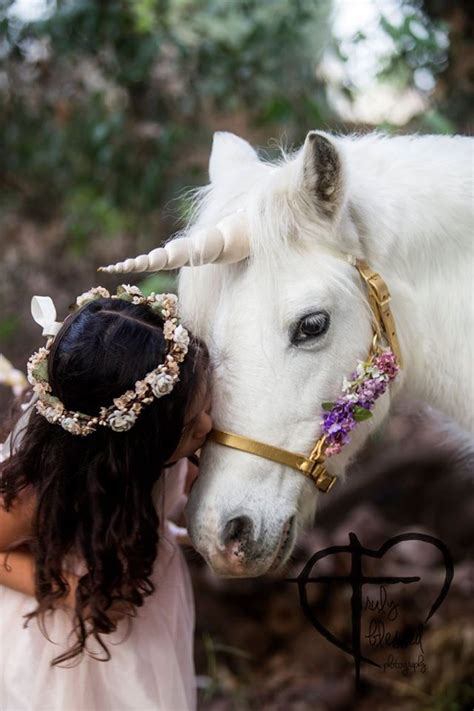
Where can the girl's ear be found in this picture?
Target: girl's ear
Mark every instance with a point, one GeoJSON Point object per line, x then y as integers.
{"type": "Point", "coordinates": [202, 426]}
{"type": "Point", "coordinates": [322, 174]}
{"type": "Point", "coordinates": [228, 152]}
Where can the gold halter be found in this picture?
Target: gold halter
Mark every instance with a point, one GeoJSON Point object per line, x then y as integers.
{"type": "Point", "coordinates": [313, 465]}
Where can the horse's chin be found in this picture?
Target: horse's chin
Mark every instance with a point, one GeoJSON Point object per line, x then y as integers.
{"type": "Point", "coordinates": [285, 546]}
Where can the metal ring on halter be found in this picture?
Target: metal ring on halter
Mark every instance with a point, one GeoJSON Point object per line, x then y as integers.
{"type": "Point", "coordinates": [374, 344]}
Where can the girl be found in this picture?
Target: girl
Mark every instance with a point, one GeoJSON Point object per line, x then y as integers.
{"type": "Point", "coordinates": [121, 393]}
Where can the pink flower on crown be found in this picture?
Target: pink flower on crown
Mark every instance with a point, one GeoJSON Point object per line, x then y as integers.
{"type": "Point", "coordinates": [141, 388]}
{"type": "Point", "coordinates": [168, 330]}
{"type": "Point", "coordinates": [171, 365]}
{"type": "Point", "coordinates": [124, 400]}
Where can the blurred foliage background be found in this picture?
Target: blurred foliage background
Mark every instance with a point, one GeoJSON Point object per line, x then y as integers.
{"type": "Point", "coordinates": [107, 111]}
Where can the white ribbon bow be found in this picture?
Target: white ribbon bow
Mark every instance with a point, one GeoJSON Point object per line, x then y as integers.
{"type": "Point", "coordinates": [44, 313]}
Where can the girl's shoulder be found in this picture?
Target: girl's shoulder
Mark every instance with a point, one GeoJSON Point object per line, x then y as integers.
{"type": "Point", "coordinates": [169, 491]}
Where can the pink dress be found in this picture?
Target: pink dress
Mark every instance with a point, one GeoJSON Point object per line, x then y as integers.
{"type": "Point", "coordinates": [151, 669]}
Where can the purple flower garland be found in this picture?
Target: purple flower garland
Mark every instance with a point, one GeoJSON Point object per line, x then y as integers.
{"type": "Point", "coordinates": [367, 384]}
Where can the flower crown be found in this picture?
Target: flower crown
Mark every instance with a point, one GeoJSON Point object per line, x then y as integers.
{"type": "Point", "coordinates": [122, 415]}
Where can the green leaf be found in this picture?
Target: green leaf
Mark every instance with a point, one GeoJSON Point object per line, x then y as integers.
{"type": "Point", "coordinates": [361, 414]}
{"type": "Point", "coordinates": [41, 371]}
{"type": "Point", "coordinates": [327, 406]}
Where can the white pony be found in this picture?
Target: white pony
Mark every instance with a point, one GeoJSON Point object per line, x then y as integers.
{"type": "Point", "coordinates": [288, 321]}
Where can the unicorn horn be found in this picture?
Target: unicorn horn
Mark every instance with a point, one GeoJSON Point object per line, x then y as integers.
{"type": "Point", "coordinates": [225, 243]}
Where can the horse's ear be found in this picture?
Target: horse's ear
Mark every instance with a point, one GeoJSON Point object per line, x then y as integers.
{"type": "Point", "coordinates": [228, 151]}
{"type": "Point", "coordinates": [322, 172]}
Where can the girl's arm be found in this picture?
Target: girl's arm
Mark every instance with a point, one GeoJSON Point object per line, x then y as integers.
{"type": "Point", "coordinates": [17, 571]}
{"type": "Point", "coordinates": [16, 524]}
{"type": "Point", "coordinates": [17, 567]}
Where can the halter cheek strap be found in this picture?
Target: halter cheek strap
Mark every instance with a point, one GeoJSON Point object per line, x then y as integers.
{"type": "Point", "coordinates": [379, 300]}
{"type": "Point", "coordinates": [313, 465]}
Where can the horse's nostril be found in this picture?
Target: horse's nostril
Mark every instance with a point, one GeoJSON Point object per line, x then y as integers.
{"type": "Point", "coordinates": [239, 529]}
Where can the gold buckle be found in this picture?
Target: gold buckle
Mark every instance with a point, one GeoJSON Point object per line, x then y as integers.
{"type": "Point", "coordinates": [325, 481]}
{"type": "Point", "coordinates": [318, 473]}
{"type": "Point", "coordinates": [379, 288]}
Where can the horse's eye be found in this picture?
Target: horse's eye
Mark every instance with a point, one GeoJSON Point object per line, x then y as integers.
{"type": "Point", "coordinates": [310, 327]}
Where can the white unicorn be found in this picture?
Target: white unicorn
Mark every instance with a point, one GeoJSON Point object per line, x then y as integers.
{"type": "Point", "coordinates": [286, 316]}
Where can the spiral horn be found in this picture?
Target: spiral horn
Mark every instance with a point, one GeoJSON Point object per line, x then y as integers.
{"type": "Point", "coordinates": [225, 243]}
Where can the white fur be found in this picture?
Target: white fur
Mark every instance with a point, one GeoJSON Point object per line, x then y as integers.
{"type": "Point", "coordinates": [407, 208]}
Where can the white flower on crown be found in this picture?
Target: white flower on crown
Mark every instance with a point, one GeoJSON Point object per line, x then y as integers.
{"type": "Point", "coordinates": [51, 412]}
{"type": "Point", "coordinates": [71, 425]}
{"type": "Point", "coordinates": [161, 383]}
{"type": "Point", "coordinates": [181, 337]}
{"type": "Point", "coordinates": [131, 289]}
{"type": "Point", "coordinates": [98, 292]}
{"type": "Point", "coordinates": [120, 421]}
{"type": "Point", "coordinates": [171, 300]}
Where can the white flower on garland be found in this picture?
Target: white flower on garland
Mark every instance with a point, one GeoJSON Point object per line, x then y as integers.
{"type": "Point", "coordinates": [346, 384]}
{"type": "Point", "coordinates": [120, 421]}
{"type": "Point", "coordinates": [375, 372]}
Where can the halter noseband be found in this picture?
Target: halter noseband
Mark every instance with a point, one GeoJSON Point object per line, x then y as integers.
{"type": "Point", "coordinates": [313, 466]}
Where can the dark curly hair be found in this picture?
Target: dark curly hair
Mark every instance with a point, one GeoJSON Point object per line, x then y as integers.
{"type": "Point", "coordinates": [94, 494]}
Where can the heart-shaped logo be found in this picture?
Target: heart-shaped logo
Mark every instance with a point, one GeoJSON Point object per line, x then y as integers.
{"type": "Point", "coordinates": [356, 579]}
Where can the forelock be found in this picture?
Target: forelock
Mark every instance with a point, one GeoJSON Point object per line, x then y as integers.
{"type": "Point", "coordinates": [277, 209]}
